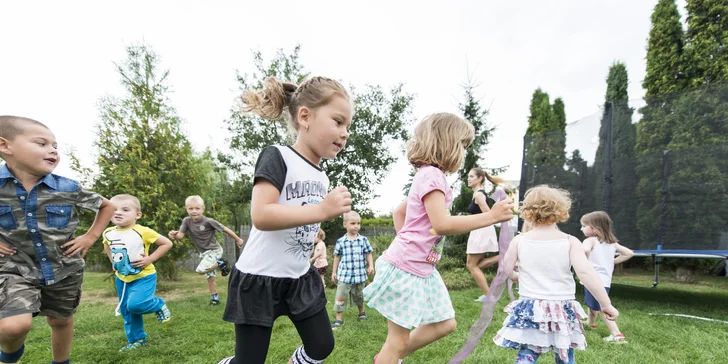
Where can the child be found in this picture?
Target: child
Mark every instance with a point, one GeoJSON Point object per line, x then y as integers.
{"type": "Point", "coordinates": [546, 317]}
{"type": "Point", "coordinates": [202, 234]}
{"type": "Point", "coordinates": [352, 262]}
{"type": "Point", "coordinates": [407, 289]}
{"type": "Point", "coordinates": [319, 255]}
{"type": "Point", "coordinates": [484, 240]}
{"type": "Point", "coordinates": [39, 267]}
{"type": "Point", "coordinates": [273, 276]}
{"type": "Point", "coordinates": [600, 247]}
{"type": "Point", "coordinates": [127, 245]}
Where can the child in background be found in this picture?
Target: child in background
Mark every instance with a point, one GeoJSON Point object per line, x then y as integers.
{"type": "Point", "coordinates": [319, 255]}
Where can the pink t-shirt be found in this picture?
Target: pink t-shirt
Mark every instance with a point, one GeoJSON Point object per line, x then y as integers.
{"type": "Point", "coordinates": [320, 251]}
{"type": "Point", "coordinates": [414, 243]}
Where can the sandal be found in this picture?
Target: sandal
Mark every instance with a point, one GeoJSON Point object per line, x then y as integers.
{"type": "Point", "coordinates": [337, 324]}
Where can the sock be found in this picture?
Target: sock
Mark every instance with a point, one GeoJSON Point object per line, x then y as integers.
{"type": "Point", "coordinates": [215, 297]}
{"type": "Point", "coordinates": [12, 357]}
{"type": "Point", "coordinates": [67, 361]}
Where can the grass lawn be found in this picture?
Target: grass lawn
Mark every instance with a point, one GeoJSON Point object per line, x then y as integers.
{"type": "Point", "coordinates": [197, 334]}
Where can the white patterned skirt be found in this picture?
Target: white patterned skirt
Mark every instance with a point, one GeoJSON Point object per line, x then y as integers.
{"type": "Point", "coordinates": [483, 240]}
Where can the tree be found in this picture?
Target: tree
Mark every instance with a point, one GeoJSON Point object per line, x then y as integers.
{"type": "Point", "coordinates": [545, 140]}
{"type": "Point", "coordinates": [707, 38]}
{"type": "Point", "coordinates": [381, 117]}
{"type": "Point", "coordinates": [142, 151]}
{"type": "Point", "coordinates": [665, 59]}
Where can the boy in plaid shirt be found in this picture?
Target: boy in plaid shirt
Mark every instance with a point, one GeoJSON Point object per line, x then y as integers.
{"type": "Point", "coordinates": [352, 262]}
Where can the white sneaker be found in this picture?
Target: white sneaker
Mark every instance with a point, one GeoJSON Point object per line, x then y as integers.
{"type": "Point", "coordinates": [480, 299]}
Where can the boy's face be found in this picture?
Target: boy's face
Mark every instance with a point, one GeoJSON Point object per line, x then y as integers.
{"type": "Point", "coordinates": [195, 210]}
{"type": "Point", "coordinates": [126, 214]}
{"type": "Point", "coordinates": [352, 225]}
{"type": "Point", "coordinates": [33, 151]}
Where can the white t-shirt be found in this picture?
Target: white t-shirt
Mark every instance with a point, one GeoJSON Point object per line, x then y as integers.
{"type": "Point", "coordinates": [602, 259]}
{"type": "Point", "coordinates": [285, 253]}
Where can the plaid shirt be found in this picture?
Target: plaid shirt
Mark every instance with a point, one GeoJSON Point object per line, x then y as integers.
{"type": "Point", "coordinates": [353, 261]}
{"type": "Point", "coordinates": [38, 222]}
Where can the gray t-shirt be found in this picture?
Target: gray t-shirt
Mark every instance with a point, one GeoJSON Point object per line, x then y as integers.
{"type": "Point", "coordinates": [202, 232]}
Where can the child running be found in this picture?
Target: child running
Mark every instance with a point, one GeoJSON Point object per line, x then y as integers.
{"type": "Point", "coordinates": [127, 245]}
{"type": "Point", "coordinates": [546, 316]}
{"type": "Point", "coordinates": [273, 276]}
{"type": "Point", "coordinates": [600, 246]}
{"type": "Point", "coordinates": [319, 255]}
{"type": "Point", "coordinates": [407, 289]}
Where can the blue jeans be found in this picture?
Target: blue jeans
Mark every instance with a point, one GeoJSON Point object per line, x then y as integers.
{"type": "Point", "coordinates": [527, 356]}
{"type": "Point", "coordinates": [137, 299]}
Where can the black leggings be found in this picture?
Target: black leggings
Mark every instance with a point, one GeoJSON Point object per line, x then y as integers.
{"type": "Point", "coordinates": [251, 341]}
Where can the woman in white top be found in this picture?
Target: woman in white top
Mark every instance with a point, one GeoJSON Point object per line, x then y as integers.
{"type": "Point", "coordinates": [600, 246]}
{"type": "Point", "coordinates": [546, 317]}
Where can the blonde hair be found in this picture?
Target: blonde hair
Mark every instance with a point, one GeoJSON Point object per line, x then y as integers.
{"type": "Point", "coordinates": [195, 198]}
{"type": "Point", "coordinates": [321, 235]}
{"type": "Point", "coordinates": [602, 225]}
{"type": "Point", "coordinates": [126, 197]}
{"type": "Point", "coordinates": [484, 175]}
{"type": "Point", "coordinates": [544, 205]}
{"type": "Point", "coordinates": [440, 140]}
{"type": "Point", "coordinates": [350, 215]}
{"type": "Point", "coordinates": [12, 126]}
{"type": "Point", "coordinates": [283, 99]}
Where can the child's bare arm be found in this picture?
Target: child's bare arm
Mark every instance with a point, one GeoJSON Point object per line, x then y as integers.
{"type": "Point", "coordinates": [232, 234]}
{"type": "Point", "coordinates": [625, 254]}
{"type": "Point", "coordinates": [399, 214]}
{"type": "Point", "coordinates": [337, 259]}
{"type": "Point", "coordinates": [509, 261]}
{"type": "Point", "coordinates": [444, 224]}
{"type": "Point", "coordinates": [268, 215]}
{"type": "Point", "coordinates": [589, 277]}
{"type": "Point", "coordinates": [588, 246]}
{"type": "Point", "coordinates": [163, 246]}
{"type": "Point", "coordinates": [370, 264]}
{"type": "Point", "coordinates": [176, 235]}
{"type": "Point", "coordinates": [82, 243]}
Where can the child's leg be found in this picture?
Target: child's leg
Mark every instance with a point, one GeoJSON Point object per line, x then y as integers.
{"type": "Point", "coordinates": [212, 285]}
{"type": "Point", "coordinates": [61, 337]}
{"type": "Point", "coordinates": [13, 331]}
{"type": "Point", "coordinates": [592, 317]}
{"type": "Point", "coordinates": [342, 295]}
{"type": "Point", "coordinates": [398, 339]}
{"type": "Point", "coordinates": [357, 296]}
{"type": "Point", "coordinates": [472, 263]}
{"type": "Point", "coordinates": [251, 343]}
{"type": "Point", "coordinates": [611, 325]}
{"type": "Point", "coordinates": [141, 301]}
{"type": "Point", "coordinates": [527, 356]}
{"type": "Point", "coordinates": [571, 358]}
{"type": "Point", "coordinates": [317, 337]}
{"type": "Point", "coordinates": [427, 334]}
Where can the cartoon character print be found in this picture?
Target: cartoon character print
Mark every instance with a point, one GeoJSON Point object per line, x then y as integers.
{"type": "Point", "coordinates": [436, 253]}
{"type": "Point", "coordinates": [122, 263]}
{"type": "Point", "coordinates": [301, 241]}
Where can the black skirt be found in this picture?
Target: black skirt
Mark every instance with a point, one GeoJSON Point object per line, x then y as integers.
{"type": "Point", "coordinates": [259, 300]}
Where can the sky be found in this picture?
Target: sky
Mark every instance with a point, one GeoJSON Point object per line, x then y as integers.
{"type": "Point", "coordinates": [58, 58]}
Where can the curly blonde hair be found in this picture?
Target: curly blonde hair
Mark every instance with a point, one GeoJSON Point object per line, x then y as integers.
{"type": "Point", "coordinates": [440, 141]}
{"type": "Point", "coordinates": [544, 205]}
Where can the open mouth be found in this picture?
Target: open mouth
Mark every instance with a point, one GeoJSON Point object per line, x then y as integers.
{"type": "Point", "coordinates": [339, 146]}
{"type": "Point", "coordinates": [51, 160]}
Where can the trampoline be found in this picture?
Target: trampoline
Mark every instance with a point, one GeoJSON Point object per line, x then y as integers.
{"type": "Point", "coordinates": [697, 254]}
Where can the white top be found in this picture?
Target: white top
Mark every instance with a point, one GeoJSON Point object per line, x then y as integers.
{"type": "Point", "coordinates": [602, 259]}
{"type": "Point", "coordinates": [285, 253]}
{"type": "Point", "coordinates": [544, 269]}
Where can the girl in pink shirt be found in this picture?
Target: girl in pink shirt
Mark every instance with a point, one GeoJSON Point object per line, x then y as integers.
{"type": "Point", "coordinates": [319, 255]}
{"type": "Point", "coordinates": [407, 289]}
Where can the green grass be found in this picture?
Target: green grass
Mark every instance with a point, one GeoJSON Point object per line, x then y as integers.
{"type": "Point", "coordinates": [197, 334]}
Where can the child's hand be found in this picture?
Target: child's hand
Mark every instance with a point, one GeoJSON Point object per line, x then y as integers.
{"type": "Point", "coordinates": [78, 245]}
{"type": "Point", "coordinates": [610, 312]}
{"type": "Point", "coordinates": [370, 270]}
{"type": "Point", "coordinates": [142, 262]}
{"type": "Point", "coordinates": [172, 234]}
{"type": "Point", "coordinates": [6, 250]}
{"type": "Point", "coordinates": [333, 278]}
{"type": "Point", "coordinates": [502, 210]}
{"type": "Point", "coordinates": [336, 203]}
{"type": "Point", "coordinates": [240, 243]}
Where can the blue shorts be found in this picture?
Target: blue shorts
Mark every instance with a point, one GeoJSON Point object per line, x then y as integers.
{"type": "Point", "coordinates": [592, 302]}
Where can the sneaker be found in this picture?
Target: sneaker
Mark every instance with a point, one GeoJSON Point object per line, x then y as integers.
{"type": "Point", "coordinates": [337, 324]}
{"type": "Point", "coordinates": [135, 345]}
{"type": "Point", "coordinates": [214, 302]}
{"type": "Point", "coordinates": [224, 266]}
{"type": "Point", "coordinates": [163, 315]}
{"type": "Point", "coordinates": [227, 360]}
{"type": "Point", "coordinates": [480, 299]}
{"type": "Point", "coordinates": [616, 339]}
{"type": "Point", "coordinates": [363, 316]}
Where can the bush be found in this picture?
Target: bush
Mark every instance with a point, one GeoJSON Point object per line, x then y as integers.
{"type": "Point", "coordinates": [458, 279]}
{"type": "Point", "coordinates": [449, 263]}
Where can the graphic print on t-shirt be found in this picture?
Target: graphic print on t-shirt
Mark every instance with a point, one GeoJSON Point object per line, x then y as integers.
{"type": "Point", "coordinates": [302, 240]}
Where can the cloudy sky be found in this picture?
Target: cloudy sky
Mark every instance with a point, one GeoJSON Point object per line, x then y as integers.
{"type": "Point", "coordinates": [57, 58]}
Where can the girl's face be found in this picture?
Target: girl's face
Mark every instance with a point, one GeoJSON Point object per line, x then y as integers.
{"type": "Point", "coordinates": [587, 230]}
{"type": "Point", "coordinates": [473, 179]}
{"type": "Point", "coordinates": [328, 127]}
